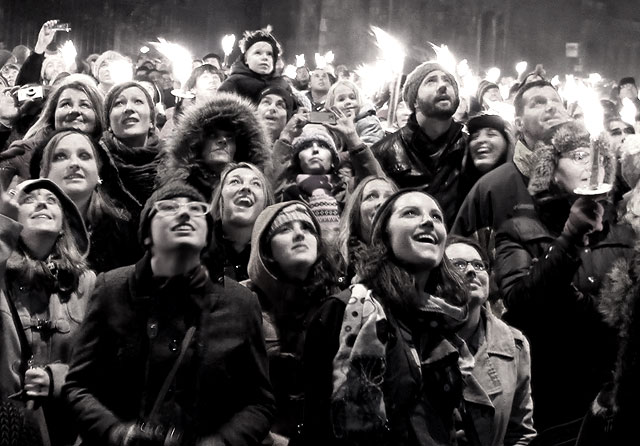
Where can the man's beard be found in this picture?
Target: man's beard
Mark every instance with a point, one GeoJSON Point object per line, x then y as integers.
{"type": "Point", "coordinates": [433, 109]}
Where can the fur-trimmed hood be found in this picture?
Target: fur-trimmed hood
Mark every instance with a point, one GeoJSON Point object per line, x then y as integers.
{"type": "Point", "coordinates": [227, 111]}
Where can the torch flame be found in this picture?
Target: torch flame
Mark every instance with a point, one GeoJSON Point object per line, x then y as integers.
{"type": "Point", "coordinates": [228, 41]}
{"type": "Point", "coordinates": [592, 109]}
{"type": "Point", "coordinates": [300, 62]}
{"type": "Point", "coordinates": [179, 56]}
{"type": "Point", "coordinates": [628, 111]}
{"type": "Point", "coordinates": [504, 110]}
{"type": "Point", "coordinates": [120, 71]}
{"type": "Point", "coordinates": [445, 57]}
{"type": "Point", "coordinates": [321, 63]}
{"type": "Point", "coordinates": [521, 67]}
{"type": "Point", "coordinates": [555, 81]}
{"type": "Point", "coordinates": [570, 90]}
{"type": "Point", "coordinates": [329, 56]}
{"type": "Point", "coordinates": [493, 75]}
{"type": "Point", "coordinates": [392, 50]}
{"type": "Point", "coordinates": [289, 71]}
{"type": "Point", "coordinates": [69, 53]}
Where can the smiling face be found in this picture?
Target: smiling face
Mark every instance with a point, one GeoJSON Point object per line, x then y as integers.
{"type": "Point", "coordinates": [178, 231]}
{"type": "Point", "coordinates": [243, 198]}
{"type": "Point", "coordinates": [294, 247]}
{"type": "Point", "coordinates": [130, 117]}
{"type": "Point", "coordinates": [39, 212]}
{"type": "Point", "coordinates": [477, 281]}
{"type": "Point", "coordinates": [74, 167]}
{"type": "Point", "coordinates": [315, 158]}
{"type": "Point", "coordinates": [259, 58]}
{"type": "Point", "coordinates": [416, 231]}
{"type": "Point", "coordinates": [346, 101]}
{"type": "Point", "coordinates": [436, 96]}
{"type": "Point", "coordinates": [487, 147]}
{"type": "Point", "coordinates": [219, 149]}
{"type": "Point", "coordinates": [74, 110]}
{"type": "Point", "coordinates": [373, 195]}
{"type": "Point", "coordinates": [273, 111]}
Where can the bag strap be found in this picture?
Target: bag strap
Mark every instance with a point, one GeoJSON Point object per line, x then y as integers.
{"type": "Point", "coordinates": [172, 373]}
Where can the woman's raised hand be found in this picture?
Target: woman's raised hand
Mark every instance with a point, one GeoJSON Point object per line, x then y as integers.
{"type": "Point", "coordinates": [345, 127]}
{"type": "Point", "coordinates": [9, 203]}
{"type": "Point", "coordinates": [45, 36]}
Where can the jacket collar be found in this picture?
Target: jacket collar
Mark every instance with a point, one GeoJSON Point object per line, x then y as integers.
{"type": "Point", "coordinates": [523, 159]}
{"type": "Point", "coordinates": [484, 380]}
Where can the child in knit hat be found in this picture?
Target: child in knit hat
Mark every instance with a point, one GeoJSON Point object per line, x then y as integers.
{"type": "Point", "coordinates": [314, 169]}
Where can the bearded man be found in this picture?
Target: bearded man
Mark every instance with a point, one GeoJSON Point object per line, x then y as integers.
{"type": "Point", "coordinates": [427, 152]}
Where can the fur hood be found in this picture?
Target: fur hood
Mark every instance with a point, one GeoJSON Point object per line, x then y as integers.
{"type": "Point", "coordinates": [225, 111]}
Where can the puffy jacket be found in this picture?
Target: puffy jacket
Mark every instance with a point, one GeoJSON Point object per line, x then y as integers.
{"type": "Point", "coordinates": [250, 84]}
{"type": "Point", "coordinates": [406, 157]}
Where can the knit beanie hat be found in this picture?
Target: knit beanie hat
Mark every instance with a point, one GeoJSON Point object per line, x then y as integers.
{"type": "Point", "coordinates": [173, 189]}
{"type": "Point", "coordinates": [486, 120]}
{"type": "Point", "coordinates": [627, 80]}
{"type": "Point", "coordinates": [483, 87]}
{"type": "Point", "coordinates": [291, 213]}
{"type": "Point", "coordinates": [113, 93]}
{"type": "Point", "coordinates": [261, 35]}
{"type": "Point", "coordinates": [284, 94]}
{"type": "Point", "coordinates": [315, 132]}
{"type": "Point", "coordinates": [564, 138]}
{"type": "Point", "coordinates": [415, 78]}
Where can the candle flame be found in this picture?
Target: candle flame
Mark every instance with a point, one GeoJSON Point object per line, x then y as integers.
{"type": "Point", "coordinates": [321, 62]}
{"type": "Point", "coordinates": [521, 67]}
{"type": "Point", "coordinates": [594, 78]}
{"type": "Point", "coordinates": [69, 53]}
{"type": "Point", "coordinates": [628, 111]}
{"type": "Point", "coordinates": [592, 108]}
{"type": "Point", "coordinates": [555, 81]}
{"type": "Point", "coordinates": [493, 75]}
{"type": "Point", "coordinates": [392, 49]}
{"type": "Point", "coordinates": [179, 57]}
{"type": "Point", "coordinates": [570, 90]}
{"type": "Point", "coordinates": [289, 71]}
{"type": "Point", "coordinates": [144, 49]}
{"type": "Point", "coordinates": [300, 62]}
{"type": "Point", "coordinates": [228, 41]}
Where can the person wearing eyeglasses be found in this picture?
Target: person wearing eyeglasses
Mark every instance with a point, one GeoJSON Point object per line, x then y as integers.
{"type": "Point", "coordinates": [140, 327]}
{"type": "Point", "coordinates": [550, 261]}
{"type": "Point", "coordinates": [45, 285]}
{"type": "Point", "coordinates": [497, 393]}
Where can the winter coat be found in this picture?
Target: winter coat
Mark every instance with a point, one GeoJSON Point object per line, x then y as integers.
{"type": "Point", "coordinates": [368, 126]}
{"type": "Point", "coordinates": [550, 289]}
{"type": "Point", "coordinates": [30, 69]}
{"type": "Point", "coordinates": [137, 166]}
{"type": "Point", "coordinates": [131, 338]}
{"type": "Point", "coordinates": [422, 381]}
{"type": "Point", "coordinates": [52, 346]}
{"type": "Point", "coordinates": [498, 391]}
{"type": "Point", "coordinates": [19, 165]}
{"type": "Point", "coordinates": [250, 84]}
{"type": "Point", "coordinates": [493, 200]}
{"type": "Point", "coordinates": [287, 309]}
{"type": "Point", "coordinates": [407, 158]}
{"type": "Point", "coordinates": [183, 155]}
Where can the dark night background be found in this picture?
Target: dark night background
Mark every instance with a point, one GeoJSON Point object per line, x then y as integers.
{"type": "Point", "coordinates": [487, 33]}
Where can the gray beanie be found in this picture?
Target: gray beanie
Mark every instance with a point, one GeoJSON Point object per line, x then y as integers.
{"type": "Point", "coordinates": [415, 78]}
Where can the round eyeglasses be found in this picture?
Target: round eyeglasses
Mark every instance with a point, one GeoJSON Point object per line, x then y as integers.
{"type": "Point", "coordinates": [462, 264]}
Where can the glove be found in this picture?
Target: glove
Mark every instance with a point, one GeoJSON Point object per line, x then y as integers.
{"type": "Point", "coordinates": [315, 182]}
{"type": "Point", "coordinates": [144, 434]}
{"type": "Point", "coordinates": [585, 217]}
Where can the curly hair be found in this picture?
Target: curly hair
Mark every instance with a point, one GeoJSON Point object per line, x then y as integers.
{"type": "Point", "coordinates": [391, 280]}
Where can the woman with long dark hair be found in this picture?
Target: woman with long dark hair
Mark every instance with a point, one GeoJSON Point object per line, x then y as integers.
{"type": "Point", "coordinates": [382, 363]}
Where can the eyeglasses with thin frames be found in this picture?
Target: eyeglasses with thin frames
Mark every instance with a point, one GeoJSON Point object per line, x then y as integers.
{"type": "Point", "coordinates": [462, 264]}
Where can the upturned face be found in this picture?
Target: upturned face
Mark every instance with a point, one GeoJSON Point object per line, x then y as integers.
{"type": "Point", "coordinates": [259, 58]}
{"type": "Point", "coordinates": [487, 147]}
{"type": "Point", "coordinates": [181, 224]}
{"type": "Point", "coordinates": [206, 85]}
{"type": "Point", "coordinates": [219, 149]}
{"type": "Point", "coordinates": [437, 97]}
{"type": "Point", "coordinates": [295, 248]}
{"type": "Point", "coordinates": [416, 231]}
{"type": "Point", "coordinates": [373, 195]}
{"type": "Point", "coordinates": [130, 116]}
{"type": "Point", "coordinates": [319, 81]}
{"type": "Point", "coordinates": [243, 198]}
{"type": "Point", "coordinates": [74, 167]}
{"type": "Point", "coordinates": [315, 158]}
{"type": "Point", "coordinates": [39, 212]}
{"type": "Point", "coordinates": [273, 111]}
{"type": "Point", "coordinates": [543, 109]}
{"type": "Point", "coordinates": [74, 110]}
{"type": "Point", "coordinates": [473, 269]}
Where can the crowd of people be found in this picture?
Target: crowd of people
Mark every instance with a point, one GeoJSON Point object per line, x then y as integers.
{"type": "Point", "coordinates": [259, 258]}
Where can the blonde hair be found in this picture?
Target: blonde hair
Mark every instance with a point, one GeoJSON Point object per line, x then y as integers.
{"type": "Point", "coordinates": [331, 94]}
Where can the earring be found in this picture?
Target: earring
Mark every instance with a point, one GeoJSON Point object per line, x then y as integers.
{"type": "Point", "coordinates": [99, 180]}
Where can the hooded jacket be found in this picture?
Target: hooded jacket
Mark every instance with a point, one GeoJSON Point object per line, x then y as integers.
{"type": "Point", "coordinates": [183, 155]}
{"type": "Point", "coordinates": [250, 84]}
{"type": "Point", "coordinates": [286, 311]}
